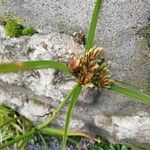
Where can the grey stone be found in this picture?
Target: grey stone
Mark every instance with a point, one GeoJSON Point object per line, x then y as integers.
{"type": "Point", "coordinates": [118, 32]}
{"type": "Point", "coordinates": [126, 127]}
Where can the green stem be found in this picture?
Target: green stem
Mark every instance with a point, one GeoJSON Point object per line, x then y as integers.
{"type": "Point", "coordinates": [74, 98]}
{"type": "Point", "coordinates": [60, 106]}
{"type": "Point", "coordinates": [131, 92]}
{"type": "Point", "coordinates": [92, 28]}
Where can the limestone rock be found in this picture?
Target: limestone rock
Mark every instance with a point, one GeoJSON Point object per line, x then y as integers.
{"type": "Point", "coordinates": [124, 128]}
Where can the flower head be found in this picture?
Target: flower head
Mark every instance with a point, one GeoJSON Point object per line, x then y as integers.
{"type": "Point", "coordinates": [89, 71]}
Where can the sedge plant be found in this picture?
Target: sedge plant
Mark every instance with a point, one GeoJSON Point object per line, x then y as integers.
{"type": "Point", "coordinates": [88, 70]}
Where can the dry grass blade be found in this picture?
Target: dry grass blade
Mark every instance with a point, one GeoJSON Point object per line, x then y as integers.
{"type": "Point", "coordinates": [60, 132]}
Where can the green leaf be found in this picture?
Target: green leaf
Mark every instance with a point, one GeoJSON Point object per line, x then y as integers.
{"type": "Point", "coordinates": [92, 28]}
{"type": "Point", "coordinates": [32, 65]}
{"type": "Point", "coordinates": [60, 106]}
{"type": "Point", "coordinates": [131, 92]}
{"type": "Point", "coordinates": [60, 132]}
{"type": "Point", "coordinates": [74, 98]}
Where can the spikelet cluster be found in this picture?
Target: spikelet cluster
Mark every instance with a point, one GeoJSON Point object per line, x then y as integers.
{"type": "Point", "coordinates": [89, 70]}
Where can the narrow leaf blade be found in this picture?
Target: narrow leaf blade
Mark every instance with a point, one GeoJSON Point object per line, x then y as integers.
{"type": "Point", "coordinates": [92, 28]}
{"type": "Point", "coordinates": [32, 65]}
{"type": "Point", "coordinates": [131, 92]}
{"type": "Point", "coordinates": [74, 98]}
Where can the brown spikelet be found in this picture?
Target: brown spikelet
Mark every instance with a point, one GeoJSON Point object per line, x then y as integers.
{"type": "Point", "coordinates": [89, 71]}
{"type": "Point", "coordinates": [74, 65]}
{"type": "Point", "coordinates": [93, 53]}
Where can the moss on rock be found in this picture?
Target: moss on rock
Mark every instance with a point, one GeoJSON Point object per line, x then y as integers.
{"type": "Point", "coordinates": [29, 31]}
{"type": "Point", "coordinates": [147, 32]}
{"type": "Point", "coordinates": [13, 29]}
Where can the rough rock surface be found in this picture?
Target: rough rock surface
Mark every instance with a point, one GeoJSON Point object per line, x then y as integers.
{"type": "Point", "coordinates": [119, 32]}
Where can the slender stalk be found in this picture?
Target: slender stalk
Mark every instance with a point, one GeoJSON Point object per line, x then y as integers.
{"type": "Point", "coordinates": [32, 65]}
{"type": "Point", "coordinates": [92, 28]}
{"type": "Point", "coordinates": [60, 106]}
{"type": "Point", "coordinates": [74, 98]}
{"type": "Point", "coordinates": [60, 132]}
{"type": "Point", "coordinates": [131, 92]}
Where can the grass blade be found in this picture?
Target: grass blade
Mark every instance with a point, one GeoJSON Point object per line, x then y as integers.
{"type": "Point", "coordinates": [92, 28]}
{"type": "Point", "coordinates": [60, 106]}
{"type": "Point", "coordinates": [44, 142]}
{"type": "Point", "coordinates": [9, 121]}
{"type": "Point", "coordinates": [26, 135]}
{"type": "Point", "coordinates": [22, 145]}
{"type": "Point", "coordinates": [32, 65]}
{"type": "Point", "coordinates": [74, 98]}
{"type": "Point", "coordinates": [60, 132]}
{"type": "Point", "coordinates": [17, 127]}
{"type": "Point", "coordinates": [131, 92]}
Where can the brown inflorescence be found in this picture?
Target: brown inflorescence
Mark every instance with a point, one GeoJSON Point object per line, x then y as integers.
{"type": "Point", "coordinates": [89, 71]}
